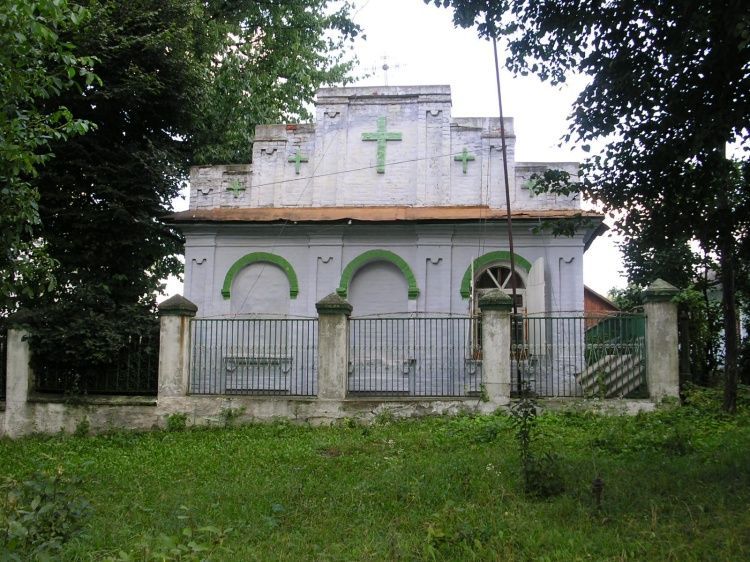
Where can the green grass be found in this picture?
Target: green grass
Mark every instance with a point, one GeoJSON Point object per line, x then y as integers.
{"type": "Point", "coordinates": [676, 487]}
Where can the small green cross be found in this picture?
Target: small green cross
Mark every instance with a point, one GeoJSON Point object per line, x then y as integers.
{"type": "Point", "coordinates": [381, 136]}
{"type": "Point", "coordinates": [236, 188]}
{"type": "Point", "coordinates": [464, 157]}
{"type": "Point", "coordinates": [297, 159]}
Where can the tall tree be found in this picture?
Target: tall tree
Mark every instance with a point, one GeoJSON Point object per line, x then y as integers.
{"type": "Point", "coordinates": [181, 81]}
{"type": "Point", "coordinates": [268, 61]}
{"type": "Point", "coordinates": [669, 90]}
{"type": "Point", "coordinates": [34, 66]}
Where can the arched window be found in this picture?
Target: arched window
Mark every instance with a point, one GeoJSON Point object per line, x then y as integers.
{"type": "Point", "coordinates": [499, 277]}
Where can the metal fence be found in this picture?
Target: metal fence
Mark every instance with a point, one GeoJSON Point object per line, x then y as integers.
{"type": "Point", "coordinates": [134, 371]}
{"type": "Point", "coordinates": [579, 355]}
{"type": "Point", "coordinates": [3, 358]}
{"type": "Point", "coordinates": [254, 356]}
{"type": "Point", "coordinates": [413, 357]}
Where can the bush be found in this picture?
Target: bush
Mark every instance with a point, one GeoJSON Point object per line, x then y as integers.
{"type": "Point", "coordinates": [77, 340]}
{"type": "Point", "coordinates": [191, 545]}
{"type": "Point", "coordinates": [83, 427]}
{"type": "Point", "coordinates": [543, 475]}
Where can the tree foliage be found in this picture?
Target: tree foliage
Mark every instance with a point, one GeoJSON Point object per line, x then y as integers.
{"type": "Point", "coordinates": [36, 65]}
{"type": "Point", "coordinates": [182, 81]}
{"type": "Point", "coordinates": [268, 60]}
{"type": "Point", "coordinates": [700, 317]}
{"type": "Point", "coordinates": [669, 90]}
{"type": "Point", "coordinates": [102, 196]}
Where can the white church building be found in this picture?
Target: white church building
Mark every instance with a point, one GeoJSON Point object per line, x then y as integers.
{"type": "Point", "coordinates": [385, 199]}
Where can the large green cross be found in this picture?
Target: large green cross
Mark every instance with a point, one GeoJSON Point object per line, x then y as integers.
{"type": "Point", "coordinates": [236, 188]}
{"type": "Point", "coordinates": [381, 136]}
{"type": "Point", "coordinates": [297, 159]}
{"type": "Point", "coordinates": [464, 157]}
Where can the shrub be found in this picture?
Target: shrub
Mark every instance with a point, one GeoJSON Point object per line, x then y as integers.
{"type": "Point", "coordinates": [85, 334]}
{"type": "Point", "coordinates": [543, 476]}
{"type": "Point", "coordinates": [229, 415]}
{"type": "Point", "coordinates": [191, 545]}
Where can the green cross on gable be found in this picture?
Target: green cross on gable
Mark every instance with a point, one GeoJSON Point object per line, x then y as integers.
{"type": "Point", "coordinates": [297, 159]}
{"type": "Point", "coordinates": [464, 157]}
{"type": "Point", "coordinates": [381, 136]}
{"type": "Point", "coordinates": [235, 187]}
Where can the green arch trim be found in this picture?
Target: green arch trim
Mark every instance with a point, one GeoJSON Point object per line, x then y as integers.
{"type": "Point", "coordinates": [483, 261]}
{"type": "Point", "coordinates": [256, 257]}
{"type": "Point", "coordinates": [372, 256]}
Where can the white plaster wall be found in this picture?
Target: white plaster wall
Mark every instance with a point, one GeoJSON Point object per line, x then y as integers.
{"type": "Point", "coordinates": [525, 199]}
{"type": "Point", "coordinates": [437, 254]}
{"type": "Point", "coordinates": [421, 169]}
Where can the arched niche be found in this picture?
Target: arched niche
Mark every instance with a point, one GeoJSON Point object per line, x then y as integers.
{"type": "Point", "coordinates": [260, 289]}
{"type": "Point", "coordinates": [378, 288]}
{"type": "Point", "coordinates": [260, 257]}
{"type": "Point", "coordinates": [378, 256]}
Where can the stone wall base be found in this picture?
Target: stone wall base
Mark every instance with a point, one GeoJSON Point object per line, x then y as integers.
{"type": "Point", "coordinates": [52, 414]}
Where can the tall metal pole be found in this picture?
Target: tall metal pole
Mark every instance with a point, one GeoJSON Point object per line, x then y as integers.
{"type": "Point", "coordinates": [514, 319]}
{"type": "Point", "coordinates": [507, 184]}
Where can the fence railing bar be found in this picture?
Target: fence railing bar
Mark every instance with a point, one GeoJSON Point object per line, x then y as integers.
{"type": "Point", "coordinates": [576, 355]}
{"type": "Point", "coordinates": [422, 356]}
{"type": "Point", "coordinates": [254, 356]}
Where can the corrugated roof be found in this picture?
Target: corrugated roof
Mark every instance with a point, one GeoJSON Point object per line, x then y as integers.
{"type": "Point", "coordinates": [367, 214]}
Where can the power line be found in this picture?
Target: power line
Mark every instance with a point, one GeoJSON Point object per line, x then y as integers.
{"type": "Point", "coordinates": [364, 168]}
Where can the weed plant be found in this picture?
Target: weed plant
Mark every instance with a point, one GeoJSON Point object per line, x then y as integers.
{"type": "Point", "coordinates": [540, 470]}
{"type": "Point", "coordinates": [40, 514]}
{"type": "Point", "coordinates": [177, 421]}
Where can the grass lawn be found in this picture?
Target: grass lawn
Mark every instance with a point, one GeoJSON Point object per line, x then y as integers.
{"type": "Point", "coordinates": [676, 487]}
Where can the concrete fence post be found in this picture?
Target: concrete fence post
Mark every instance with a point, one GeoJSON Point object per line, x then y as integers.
{"type": "Point", "coordinates": [333, 346]}
{"type": "Point", "coordinates": [174, 347]}
{"type": "Point", "coordinates": [496, 306]}
{"type": "Point", "coordinates": [662, 355]}
{"type": "Point", "coordinates": [19, 380]}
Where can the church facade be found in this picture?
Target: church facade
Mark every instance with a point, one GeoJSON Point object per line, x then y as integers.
{"type": "Point", "coordinates": [385, 199]}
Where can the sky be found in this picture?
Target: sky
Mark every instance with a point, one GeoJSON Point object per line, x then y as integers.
{"type": "Point", "coordinates": [422, 47]}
